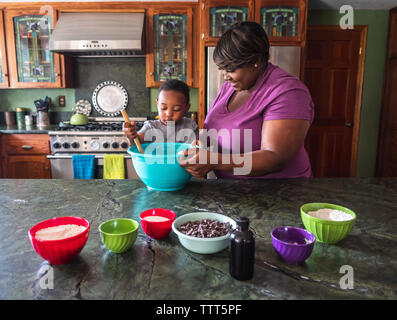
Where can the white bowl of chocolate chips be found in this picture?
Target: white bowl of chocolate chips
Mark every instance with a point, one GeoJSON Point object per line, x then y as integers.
{"type": "Point", "coordinates": [204, 232]}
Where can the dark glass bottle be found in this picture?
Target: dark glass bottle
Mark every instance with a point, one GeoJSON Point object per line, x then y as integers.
{"type": "Point", "coordinates": [242, 251]}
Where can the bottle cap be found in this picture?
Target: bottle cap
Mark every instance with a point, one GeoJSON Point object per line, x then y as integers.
{"type": "Point", "coordinates": [243, 222]}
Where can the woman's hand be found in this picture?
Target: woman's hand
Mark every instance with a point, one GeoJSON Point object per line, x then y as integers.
{"type": "Point", "coordinates": [196, 161]}
{"type": "Point", "coordinates": [129, 129]}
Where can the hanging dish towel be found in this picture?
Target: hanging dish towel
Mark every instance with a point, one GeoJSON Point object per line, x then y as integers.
{"type": "Point", "coordinates": [83, 166]}
{"type": "Point", "coordinates": [113, 166]}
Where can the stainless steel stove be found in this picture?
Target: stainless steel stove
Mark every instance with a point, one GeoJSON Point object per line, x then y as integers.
{"type": "Point", "coordinates": [99, 137]}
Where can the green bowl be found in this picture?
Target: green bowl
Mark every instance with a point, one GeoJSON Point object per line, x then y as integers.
{"type": "Point", "coordinates": [326, 231]}
{"type": "Point", "coordinates": [118, 235]}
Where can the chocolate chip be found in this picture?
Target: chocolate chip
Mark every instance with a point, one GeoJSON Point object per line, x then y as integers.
{"type": "Point", "coordinates": [205, 228]}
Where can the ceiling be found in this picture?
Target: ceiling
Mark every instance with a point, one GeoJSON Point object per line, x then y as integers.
{"type": "Point", "coordinates": [356, 4]}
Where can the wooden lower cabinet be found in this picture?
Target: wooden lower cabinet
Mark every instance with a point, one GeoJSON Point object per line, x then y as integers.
{"type": "Point", "coordinates": [24, 156]}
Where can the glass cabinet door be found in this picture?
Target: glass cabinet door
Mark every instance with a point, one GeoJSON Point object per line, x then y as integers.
{"type": "Point", "coordinates": [222, 18]}
{"type": "Point", "coordinates": [280, 21]}
{"type": "Point", "coordinates": [35, 62]}
{"type": "Point", "coordinates": [170, 47]}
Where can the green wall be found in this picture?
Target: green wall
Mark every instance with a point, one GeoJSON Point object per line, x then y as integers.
{"type": "Point", "coordinates": [10, 99]}
{"type": "Point", "coordinates": [377, 22]}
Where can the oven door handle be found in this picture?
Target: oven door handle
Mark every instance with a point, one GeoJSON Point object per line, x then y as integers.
{"type": "Point", "coordinates": [50, 156]}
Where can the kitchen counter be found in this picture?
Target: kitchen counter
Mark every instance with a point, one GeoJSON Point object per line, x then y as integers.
{"type": "Point", "coordinates": [23, 130]}
{"type": "Point", "coordinates": [163, 269]}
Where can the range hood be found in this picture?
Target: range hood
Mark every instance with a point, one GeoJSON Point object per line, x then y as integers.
{"type": "Point", "coordinates": [102, 34]}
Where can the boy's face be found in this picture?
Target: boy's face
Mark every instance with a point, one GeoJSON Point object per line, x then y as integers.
{"type": "Point", "coordinates": [171, 106]}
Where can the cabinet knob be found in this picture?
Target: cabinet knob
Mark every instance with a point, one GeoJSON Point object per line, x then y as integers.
{"type": "Point", "coordinates": [4, 75]}
{"type": "Point", "coordinates": [349, 124]}
{"type": "Point", "coordinates": [57, 74]}
{"type": "Point", "coordinates": [26, 147]}
{"type": "Point", "coordinates": [152, 73]}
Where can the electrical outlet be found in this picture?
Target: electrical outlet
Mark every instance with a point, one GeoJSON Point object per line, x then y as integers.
{"type": "Point", "coordinates": [62, 101]}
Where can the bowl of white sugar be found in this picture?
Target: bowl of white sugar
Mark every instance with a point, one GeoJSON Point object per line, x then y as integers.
{"type": "Point", "coordinates": [330, 223]}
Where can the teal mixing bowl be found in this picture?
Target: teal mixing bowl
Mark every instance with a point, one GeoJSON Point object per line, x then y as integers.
{"type": "Point", "coordinates": [158, 166]}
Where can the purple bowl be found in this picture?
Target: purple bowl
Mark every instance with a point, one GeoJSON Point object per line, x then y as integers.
{"type": "Point", "coordinates": [294, 245]}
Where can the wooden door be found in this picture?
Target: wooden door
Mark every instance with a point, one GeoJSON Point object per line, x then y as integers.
{"type": "Point", "coordinates": [387, 146]}
{"type": "Point", "coordinates": [28, 167]}
{"type": "Point", "coordinates": [334, 74]}
{"type": "Point", "coordinates": [24, 156]}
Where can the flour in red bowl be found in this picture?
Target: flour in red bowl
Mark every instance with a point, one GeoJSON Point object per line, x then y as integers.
{"type": "Point", "coordinates": [59, 232]}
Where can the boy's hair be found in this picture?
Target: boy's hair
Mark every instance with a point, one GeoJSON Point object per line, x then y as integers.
{"type": "Point", "coordinates": [176, 85]}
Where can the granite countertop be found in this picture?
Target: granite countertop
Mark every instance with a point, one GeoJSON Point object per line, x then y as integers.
{"type": "Point", "coordinates": [26, 130]}
{"type": "Point", "coordinates": [163, 269]}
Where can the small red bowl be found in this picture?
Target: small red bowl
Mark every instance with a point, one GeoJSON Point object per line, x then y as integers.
{"type": "Point", "coordinates": [157, 229]}
{"type": "Point", "coordinates": [63, 250]}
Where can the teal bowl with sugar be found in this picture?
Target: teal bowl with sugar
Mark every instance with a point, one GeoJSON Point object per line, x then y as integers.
{"type": "Point", "coordinates": [327, 231]}
{"type": "Point", "coordinates": [118, 235]}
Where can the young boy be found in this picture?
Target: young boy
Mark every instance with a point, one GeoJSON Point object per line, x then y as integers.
{"type": "Point", "coordinates": [172, 105]}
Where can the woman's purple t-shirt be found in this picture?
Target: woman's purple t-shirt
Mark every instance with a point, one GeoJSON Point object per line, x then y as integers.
{"type": "Point", "coordinates": [278, 95]}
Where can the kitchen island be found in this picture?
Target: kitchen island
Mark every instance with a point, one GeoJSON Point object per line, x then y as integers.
{"type": "Point", "coordinates": [163, 269]}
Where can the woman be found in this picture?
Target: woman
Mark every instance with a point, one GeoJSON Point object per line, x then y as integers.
{"type": "Point", "coordinates": [260, 98]}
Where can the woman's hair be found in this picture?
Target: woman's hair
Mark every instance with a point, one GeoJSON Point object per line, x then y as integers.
{"type": "Point", "coordinates": [245, 42]}
{"type": "Point", "coordinates": [176, 85]}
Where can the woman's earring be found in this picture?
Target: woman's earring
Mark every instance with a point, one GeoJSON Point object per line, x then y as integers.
{"type": "Point", "coordinates": [255, 65]}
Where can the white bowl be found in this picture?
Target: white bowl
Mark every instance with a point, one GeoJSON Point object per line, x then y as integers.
{"type": "Point", "coordinates": [203, 245]}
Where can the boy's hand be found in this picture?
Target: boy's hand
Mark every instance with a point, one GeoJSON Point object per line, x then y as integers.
{"type": "Point", "coordinates": [129, 130]}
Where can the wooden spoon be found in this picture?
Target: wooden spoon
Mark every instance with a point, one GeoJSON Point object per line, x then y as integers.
{"type": "Point", "coordinates": [136, 140]}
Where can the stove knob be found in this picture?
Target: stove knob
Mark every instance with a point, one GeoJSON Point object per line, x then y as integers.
{"type": "Point", "coordinates": [75, 145]}
{"type": "Point", "coordinates": [115, 145]}
{"type": "Point", "coordinates": [105, 145]}
{"type": "Point", "coordinates": [56, 145]}
{"type": "Point", "coordinates": [124, 145]}
{"type": "Point", "coordinates": [65, 145]}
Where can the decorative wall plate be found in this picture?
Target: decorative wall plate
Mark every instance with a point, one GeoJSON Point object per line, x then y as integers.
{"type": "Point", "coordinates": [109, 98]}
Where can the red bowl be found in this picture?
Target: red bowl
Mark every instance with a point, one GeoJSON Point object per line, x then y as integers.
{"type": "Point", "coordinates": [63, 250]}
{"type": "Point", "coordinates": [157, 229]}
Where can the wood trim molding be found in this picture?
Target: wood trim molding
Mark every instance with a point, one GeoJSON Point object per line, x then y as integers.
{"type": "Point", "coordinates": [386, 92]}
{"type": "Point", "coordinates": [359, 90]}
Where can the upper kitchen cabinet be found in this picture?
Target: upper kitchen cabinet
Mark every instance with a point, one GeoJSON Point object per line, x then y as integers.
{"type": "Point", "coordinates": [169, 46]}
{"type": "Point", "coordinates": [219, 15]}
{"type": "Point", "coordinates": [283, 20]}
{"type": "Point", "coordinates": [31, 64]}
